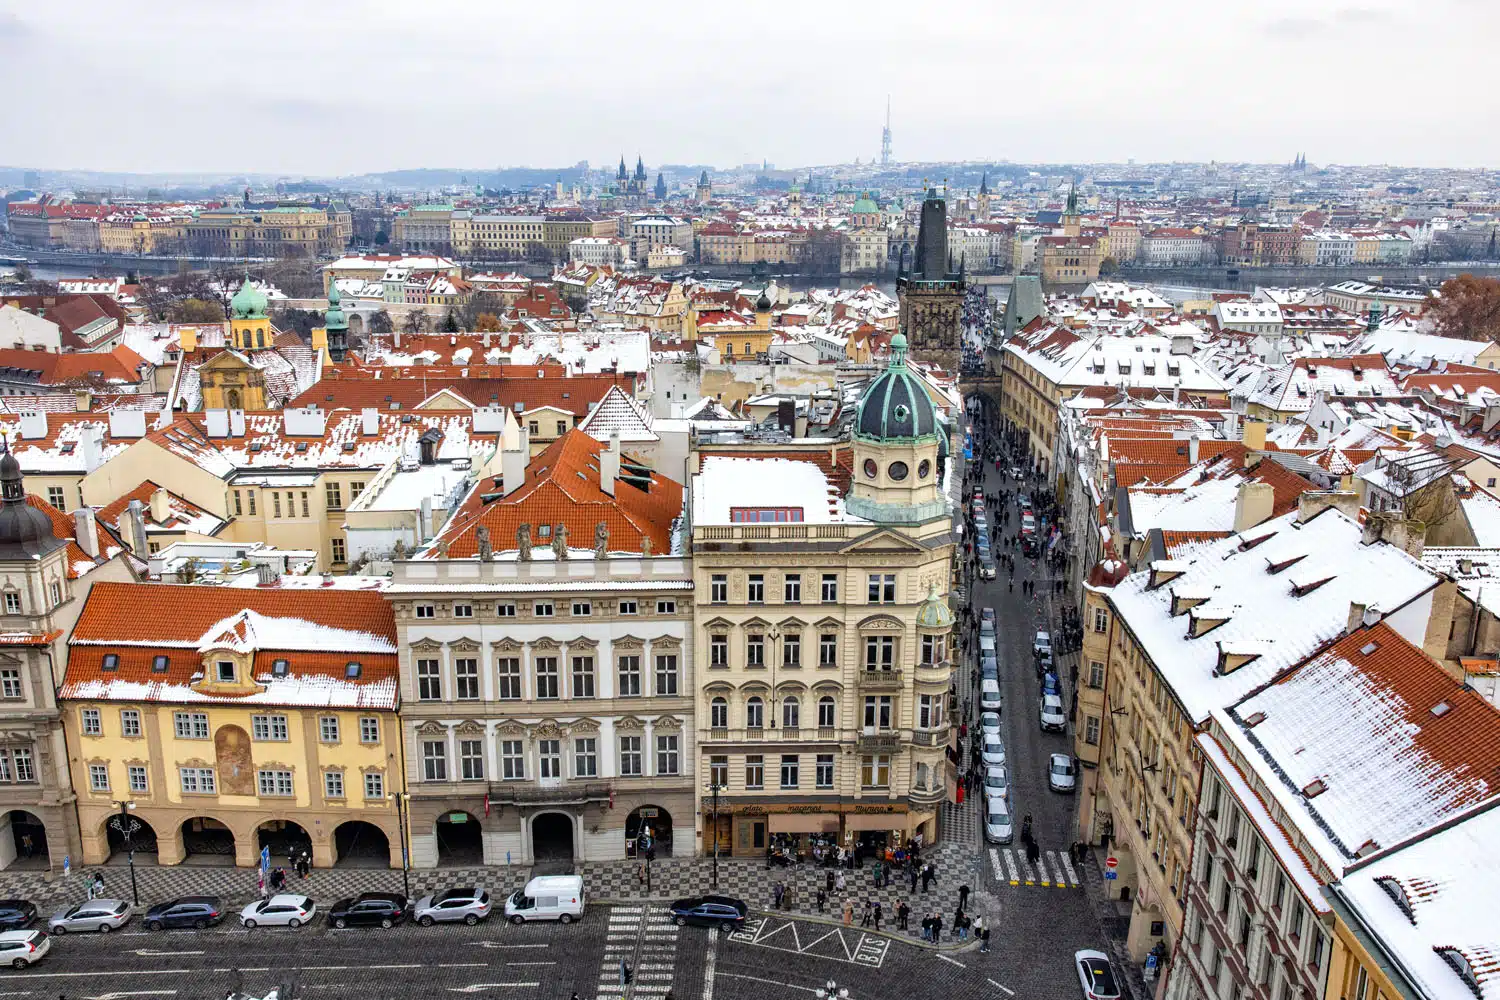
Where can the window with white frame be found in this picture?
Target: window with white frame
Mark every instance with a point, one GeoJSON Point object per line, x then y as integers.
{"type": "Point", "coordinates": [830, 592]}
{"type": "Point", "coordinates": [190, 725]}
{"type": "Point", "coordinates": [583, 677]}
{"type": "Point", "coordinates": [92, 723]}
{"type": "Point", "coordinates": [666, 753]}
{"type": "Point", "coordinates": [136, 773]}
{"type": "Point", "coordinates": [426, 610]}
{"type": "Point", "coordinates": [471, 760]}
{"type": "Point", "coordinates": [628, 607]}
{"type": "Point", "coordinates": [98, 777]}
{"type": "Point", "coordinates": [466, 678]}
{"type": "Point", "coordinates": [828, 649]}
{"type": "Point", "coordinates": [586, 757]}
{"type": "Point", "coordinates": [630, 756]}
{"type": "Point", "coordinates": [130, 722]}
{"type": "Point", "coordinates": [875, 771]}
{"type": "Point", "coordinates": [512, 760]}
{"type": "Point", "coordinates": [880, 652]}
{"type": "Point", "coordinates": [463, 611]}
{"type": "Point", "coordinates": [549, 758]}
{"type": "Point", "coordinates": [718, 650]}
{"type": "Point", "coordinates": [429, 680]}
{"type": "Point", "coordinates": [369, 729]}
{"type": "Point", "coordinates": [274, 781]}
{"type": "Point", "coordinates": [582, 609]}
{"type": "Point", "coordinates": [882, 588]}
{"type": "Point", "coordinates": [10, 684]}
{"type": "Point", "coordinates": [666, 606]}
{"type": "Point", "coordinates": [434, 760]}
{"type": "Point", "coordinates": [197, 780]}
{"type": "Point", "coordinates": [755, 771]}
{"type": "Point", "coordinates": [328, 728]}
{"type": "Point", "coordinates": [792, 588]}
{"type": "Point", "coordinates": [374, 785]}
{"type": "Point", "coordinates": [630, 676]}
{"type": "Point", "coordinates": [789, 770]}
{"type": "Point", "coordinates": [508, 669]}
{"type": "Point", "coordinates": [823, 776]}
{"type": "Point", "coordinates": [718, 589]}
{"type": "Point", "coordinates": [333, 784]}
{"type": "Point", "coordinates": [666, 674]}
{"type": "Point", "coordinates": [269, 727]}
{"type": "Point", "coordinates": [547, 679]}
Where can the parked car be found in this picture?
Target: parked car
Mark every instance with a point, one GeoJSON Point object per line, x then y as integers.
{"type": "Point", "coordinates": [989, 723]}
{"type": "Point", "coordinates": [1061, 775]}
{"type": "Point", "coordinates": [987, 570]}
{"type": "Point", "coordinates": [710, 911]}
{"type": "Point", "coordinates": [989, 668]}
{"type": "Point", "coordinates": [1053, 718]}
{"type": "Point", "coordinates": [995, 781]}
{"type": "Point", "coordinates": [987, 628]}
{"type": "Point", "coordinates": [997, 822]}
{"type": "Point", "coordinates": [471, 905]}
{"type": "Point", "coordinates": [989, 695]}
{"type": "Point", "coordinates": [102, 915]}
{"type": "Point", "coordinates": [1042, 644]}
{"type": "Point", "coordinates": [1050, 684]}
{"type": "Point", "coordinates": [189, 911]}
{"type": "Point", "coordinates": [1024, 501]}
{"type": "Point", "coordinates": [1028, 525]}
{"type": "Point", "coordinates": [1095, 975]}
{"type": "Point", "coordinates": [992, 751]}
{"type": "Point", "coordinates": [369, 909]}
{"type": "Point", "coordinates": [987, 616]}
{"type": "Point", "coordinates": [22, 948]}
{"type": "Point", "coordinates": [16, 913]}
{"type": "Point", "coordinates": [283, 910]}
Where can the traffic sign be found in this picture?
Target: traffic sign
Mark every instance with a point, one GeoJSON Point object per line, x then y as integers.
{"type": "Point", "coordinates": [1111, 862]}
{"type": "Point", "coordinates": [1111, 874]}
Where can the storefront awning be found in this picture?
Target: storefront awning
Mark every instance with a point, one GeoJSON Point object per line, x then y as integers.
{"type": "Point", "coordinates": [803, 823]}
{"type": "Point", "coordinates": [875, 821]}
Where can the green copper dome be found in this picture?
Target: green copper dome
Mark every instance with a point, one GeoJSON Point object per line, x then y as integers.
{"type": "Point", "coordinates": [864, 205]}
{"type": "Point", "coordinates": [248, 302]}
{"type": "Point", "coordinates": [895, 406]}
{"type": "Point", "coordinates": [333, 318]}
{"type": "Point", "coordinates": [934, 612]}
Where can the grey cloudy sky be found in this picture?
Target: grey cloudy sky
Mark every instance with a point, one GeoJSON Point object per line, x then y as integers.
{"type": "Point", "coordinates": [339, 86]}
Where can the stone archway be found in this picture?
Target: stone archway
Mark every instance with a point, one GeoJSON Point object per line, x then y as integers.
{"type": "Point", "coordinates": [552, 837]}
{"type": "Point", "coordinates": [650, 826]}
{"type": "Point", "coordinates": [358, 844]}
{"type": "Point", "coordinates": [142, 838]}
{"type": "Point", "coordinates": [460, 839]}
{"type": "Point", "coordinates": [206, 840]}
{"type": "Point", "coordinates": [284, 839]}
{"type": "Point", "coordinates": [23, 840]}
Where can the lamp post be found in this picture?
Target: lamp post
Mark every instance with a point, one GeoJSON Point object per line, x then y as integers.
{"type": "Point", "coordinates": [128, 825]}
{"type": "Point", "coordinates": [401, 798]}
{"type": "Point", "coordinates": [714, 788]}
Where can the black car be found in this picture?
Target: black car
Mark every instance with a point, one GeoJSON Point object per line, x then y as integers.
{"type": "Point", "coordinates": [710, 911]}
{"type": "Point", "coordinates": [189, 911]}
{"type": "Point", "coordinates": [369, 909]}
{"type": "Point", "coordinates": [16, 914]}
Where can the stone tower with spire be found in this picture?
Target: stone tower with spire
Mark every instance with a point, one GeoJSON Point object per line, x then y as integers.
{"type": "Point", "coordinates": [1072, 219]}
{"type": "Point", "coordinates": [661, 188]}
{"type": "Point", "coordinates": [984, 196]}
{"type": "Point", "coordinates": [705, 189]}
{"type": "Point", "coordinates": [931, 292]}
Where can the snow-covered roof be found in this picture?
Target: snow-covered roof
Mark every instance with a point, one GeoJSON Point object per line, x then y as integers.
{"type": "Point", "coordinates": [1230, 594]}
{"type": "Point", "coordinates": [1420, 350]}
{"type": "Point", "coordinates": [1483, 514]}
{"type": "Point", "coordinates": [724, 483]}
{"type": "Point", "coordinates": [1065, 358]}
{"type": "Point", "coordinates": [617, 413]}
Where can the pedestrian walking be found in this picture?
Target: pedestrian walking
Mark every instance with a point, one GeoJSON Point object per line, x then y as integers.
{"type": "Point", "coordinates": [839, 882]}
{"type": "Point", "coordinates": [776, 890]}
{"type": "Point", "coordinates": [963, 896]}
{"type": "Point", "coordinates": [26, 845]}
{"type": "Point", "coordinates": [929, 876]}
{"type": "Point", "coordinates": [848, 911]}
{"type": "Point", "coordinates": [828, 881]}
{"type": "Point", "coordinates": [984, 938]}
{"type": "Point", "coordinates": [911, 871]}
{"type": "Point", "coordinates": [868, 915]}
{"type": "Point", "coordinates": [1033, 852]}
{"type": "Point", "coordinates": [877, 914]}
{"type": "Point", "coordinates": [822, 899]}
{"type": "Point", "coordinates": [961, 925]}
{"type": "Point", "coordinates": [937, 927]}
{"type": "Point", "coordinates": [879, 871]}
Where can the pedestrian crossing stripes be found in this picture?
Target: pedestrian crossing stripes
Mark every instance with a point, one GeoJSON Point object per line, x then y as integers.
{"type": "Point", "coordinates": [1051, 870]}
{"type": "Point", "coordinates": [646, 942]}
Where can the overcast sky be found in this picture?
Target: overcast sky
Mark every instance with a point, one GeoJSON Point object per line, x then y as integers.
{"type": "Point", "coordinates": [345, 86]}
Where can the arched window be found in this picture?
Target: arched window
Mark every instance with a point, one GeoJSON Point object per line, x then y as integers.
{"type": "Point", "coordinates": [826, 712]}
{"type": "Point", "coordinates": [755, 713]}
{"type": "Point", "coordinates": [232, 398]}
{"type": "Point", "coordinates": [260, 338]}
{"type": "Point", "coordinates": [921, 776]}
{"type": "Point", "coordinates": [791, 713]}
{"type": "Point", "coordinates": [718, 713]}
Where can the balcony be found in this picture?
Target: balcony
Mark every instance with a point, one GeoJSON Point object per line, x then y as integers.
{"type": "Point", "coordinates": [887, 741]}
{"type": "Point", "coordinates": [565, 793]}
{"type": "Point", "coordinates": [930, 737]}
{"type": "Point", "coordinates": [881, 680]}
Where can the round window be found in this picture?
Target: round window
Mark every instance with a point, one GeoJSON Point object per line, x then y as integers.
{"type": "Point", "coordinates": [923, 467]}
{"type": "Point", "coordinates": [903, 413]}
{"type": "Point", "coordinates": [871, 468]}
{"type": "Point", "coordinates": [897, 471]}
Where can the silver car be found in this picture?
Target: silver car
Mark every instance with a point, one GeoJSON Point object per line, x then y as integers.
{"type": "Point", "coordinates": [992, 751]}
{"type": "Point", "coordinates": [989, 723]}
{"type": "Point", "coordinates": [1061, 775]}
{"type": "Point", "coordinates": [102, 915]}
{"type": "Point", "coordinates": [997, 821]}
{"type": "Point", "coordinates": [471, 905]}
{"type": "Point", "coordinates": [996, 782]}
{"type": "Point", "coordinates": [1053, 718]}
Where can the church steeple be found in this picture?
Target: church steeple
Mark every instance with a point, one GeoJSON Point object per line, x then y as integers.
{"type": "Point", "coordinates": [621, 175]}
{"type": "Point", "coordinates": [661, 188]}
{"type": "Point", "coordinates": [984, 182]}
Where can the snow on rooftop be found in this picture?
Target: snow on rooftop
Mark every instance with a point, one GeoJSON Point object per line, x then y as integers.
{"type": "Point", "coordinates": [1483, 512]}
{"type": "Point", "coordinates": [250, 630]}
{"type": "Point", "coordinates": [727, 482]}
{"type": "Point", "coordinates": [1206, 506]}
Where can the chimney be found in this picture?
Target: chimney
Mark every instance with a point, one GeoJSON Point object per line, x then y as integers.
{"type": "Point", "coordinates": [218, 423]}
{"type": "Point", "coordinates": [161, 506]}
{"type": "Point", "coordinates": [266, 574]}
{"type": "Point", "coordinates": [135, 525]}
{"type": "Point", "coordinates": [33, 425]}
{"type": "Point", "coordinates": [91, 457]}
{"type": "Point", "coordinates": [127, 424]}
{"type": "Point", "coordinates": [1253, 504]}
{"type": "Point", "coordinates": [237, 423]}
{"type": "Point", "coordinates": [369, 421]}
{"type": "Point", "coordinates": [320, 338]}
{"type": "Point", "coordinates": [424, 515]}
{"type": "Point", "coordinates": [1193, 450]}
{"type": "Point", "coordinates": [85, 531]}
{"type": "Point", "coordinates": [1254, 435]}
{"type": "Point", "coordinates": [514, 457]}
{"type": "Point", "coordinates": [1356, 616]}
{"type": "Point", "coordinates": [83, 400]}
{"type": "Point", "coordinates": [609, 463]}
{"type": "Point", "coordinates": [1314, 502]}
{"type": "Point", "coordinates": [187, 338]}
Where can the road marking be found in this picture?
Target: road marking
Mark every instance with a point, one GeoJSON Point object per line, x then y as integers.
{"type": "Point", "coordinates": [768, 982]}
{"type": "Point", "coordinates": [1010, 865]}
{"type": "Point", "coordinates": [995, 865]}
{"type": "Point", "coordinates": [709, 962]}
{"type": "Point", "coordinates": [262, 968]}
{"type": "Point", "coordinates": [476, 987]}
{"type": "Point", "coordinates": [1046, 864]}
{"type": "Point", "coordinates": [134, 993]}
{"type": "Point", "coordinates": [116, 972]}
{"type": "Point", "coordinates": [146, 952]}
{"type": "Point", "coordinates": [952, 960]}
{"type": "Point", "coordinates": [459, 965]}
{"type": "Point", "coordinates": [327, 968]}
{"type": "Point", "coordinates": [496, 944]}
{"type": "Point", "coordinates": [528, 963]}
{"type": "Point", "coordinates": [1067, 864]}
{"type": "Point", "coordinates": [1008, 991]}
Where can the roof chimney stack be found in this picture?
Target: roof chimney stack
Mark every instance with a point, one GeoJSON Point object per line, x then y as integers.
{"type": "Point", "coordinates": [609, 463]}
{"type": "Point", "coordinates": [85, 531]}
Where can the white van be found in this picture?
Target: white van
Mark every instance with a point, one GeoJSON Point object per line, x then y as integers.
{"type": "Point", "coordinates": [547, 897]}
{"type": "Point", "coordinates": [989, 695]}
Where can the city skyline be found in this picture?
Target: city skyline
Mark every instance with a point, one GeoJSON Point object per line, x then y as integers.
{"type": "Point", "coordinates": [369, 90]}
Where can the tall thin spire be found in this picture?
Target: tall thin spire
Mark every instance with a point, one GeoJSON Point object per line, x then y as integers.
{"type": "Point", "coordinates": [885, 135]}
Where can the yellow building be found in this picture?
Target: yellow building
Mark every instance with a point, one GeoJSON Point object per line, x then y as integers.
{"type": "Point", "coordinates": [234, 720]}
{"type": "Point", "coordinates": [293, 231]}
{"type": "Point", "coordinates": [139, 233]}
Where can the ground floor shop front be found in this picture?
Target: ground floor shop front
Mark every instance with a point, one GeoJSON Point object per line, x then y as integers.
{"type": "Point", "coordinates": [813, 830]}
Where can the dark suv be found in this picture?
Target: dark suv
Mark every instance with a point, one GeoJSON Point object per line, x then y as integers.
{"type": "Point", "coordinates": [369, 909]}
{"type": "Point", "coordinates": [16, 914]}
{"type": "Point", "coordinates": [189, 911]}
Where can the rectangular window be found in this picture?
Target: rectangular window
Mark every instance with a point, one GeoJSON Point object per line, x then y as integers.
{"type": "Point", "coordinates": [666, 606]}
{"type": "Point", "coordinates": [355, 489]}
{"type": "Point", "coordinates": [328, 728]}
{"type": "Point", "coordinates": [374, 785]}
{"type": "Point", "coordinates": [509, 670]}
{"type": "Point", "coordinates": [471, 759]}
{"type": "Point", "coordinates": [1096, 674]}
{"type": "Point", "coordinates": [828, 650]}
{"type": "Point", "coordinates": [333, 784]}
{"type": "Point", "coordinates": [875, 771]}
{"type": "Point", "coordinates": [250, 499]}
{"type": "Point", "coordinates": [792, 588]}
{"type": "Point", "coordinates": [718, 775]}
{"type": "Point", "coordinates": [542, 609]}
{"type": "Point", "coordinates": [630, 676]}
{"type": "Point", "coordinates": [226, 672]}
{"type": "Point", "coordinates": [718, 650]}
{"type": "Point", "coordinates": [138, 780]}
{"type": "Point", "coordinates": [666, 754]}
{"type": "Point", "coordinates": [25, 767]}
{"type": "Point", "coordinates": [505, 610]}
{"type": "Point", "coordinates": [434, 760]}
{"type": "Point", "coordinates": [830, 588]}
{"type": "Point", "coordinates": [755, 650]}
{"type": "Point", "coordinates": [197, 780]}
{"type": "Point", "coordinates": [929, 711]}
{"type": "Point", "coordinates": [755, 771]}
{"type": "Point", "coordinates": [238, 510]}
{"type": "Point", "coordinates": [426, 610]}
{"type": "Point", "coordinates": [56, 498]}
{"type": "Point", "coordinates": [547, 679]}
{"type": "Point", "coordinates": [369, 729]}
{"type": "Point", "coordinates": [340, 552]}
{"type": "Point", "coordinates": [276, 504]}
{"type": "Point", "coordinates": [512, 760]}
{"type": "Point", "coordinates": [549, 758]}
{"type": "Point", "coordinates": [274, 781]}
{"type": "Point", "coordinates": [333, 496]}
{"type": "Point", "coordinates": [880, 652]}
{"type": "Point", "coordinates": [666, 674]}
{"type": "Point", "coordinates": [466, 678]}
{"type": "Point", "coordinates": [789, 770]}
{"type": "Point", "coordinates": [630, 756]}
{"type": "Point", "coordinates": [93, 725]}
{"type": "Point", "coordinates": [586, 757]}
{"type": "Point", "coordinates": [582, 609]}
{"type": "Point", "coordinates": [98, 778]}
{"type": "Point", "coordinates": [1091, 730]}
{"type": "Point", "coordinates": [190, 725]}
{"type": "Point", "coordinates": [627, 607]}
{"type": "Point", "coordinates": [463, 611]}
{"type": "Point", "coordinates": [882, 588]}
{"type": "Point", "coordinates": [718, 589]}
{"type": "Point", "coordinates": [268, 727]}
{"type": "Point", "coordinates": [823, 776]}
{"type": "Point", "coordinates": [791, 650]}
{"type": "Point", "coordinates": [756, 589]}
{"type": "Point", "coordinates": [877, 711]}
{"type": "Point", "coordinates": [306, 510]}
{"type": "Point", "coordinates": [130, 722]}
{"type": "Point", "coordinates": [1101, 620]}
{"type": "Point", "coordinates": [10, 683]}
{"type": "Point", "coordinates": [583, 677]}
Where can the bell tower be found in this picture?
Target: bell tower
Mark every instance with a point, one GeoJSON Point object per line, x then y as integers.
{"type": "Point", "coordinates": [931, 293]}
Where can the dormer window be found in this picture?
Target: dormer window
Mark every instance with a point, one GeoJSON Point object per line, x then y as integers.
{"type": "Point", "coordinates": [111, 662]}
{"type": "Point", "coordinates": [224, 671]}
{"type": "Point", "coordinates": [279, 668]}
{"type": "Point", "coordinates": [352, 670]}
{"type": "Point", "coordinates": [159, 663]}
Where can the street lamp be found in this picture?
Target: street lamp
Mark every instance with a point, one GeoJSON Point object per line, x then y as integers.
{"type": "Point", "coordinates": [127, 825]}
{"type": "Point", "coordinates": [401, 798]}
{"type": "Point", "coordinates": [714, 788]}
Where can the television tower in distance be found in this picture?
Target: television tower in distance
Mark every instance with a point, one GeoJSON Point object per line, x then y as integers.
{"type": "Point", "coordinates": [885, 135]}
